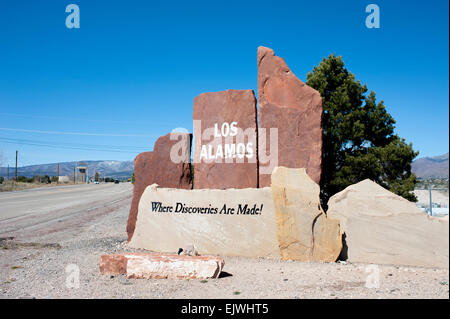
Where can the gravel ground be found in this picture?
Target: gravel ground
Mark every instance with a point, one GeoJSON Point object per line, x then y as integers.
{"type": "Point", "coordinates": [42, 267]}
{"type": "Point", "coordinates": [440, 197]}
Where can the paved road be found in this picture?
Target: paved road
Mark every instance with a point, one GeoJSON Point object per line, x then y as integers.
{"type": "Point", "coordinates": [22, 212]}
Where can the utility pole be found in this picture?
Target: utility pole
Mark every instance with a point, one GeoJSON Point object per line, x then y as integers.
{"type": "Point", "coordinates": [74, 175]}
{"type": "Point", "coordinates": [57, 175]}
{"type": "Point", "coordinates": [15, 175]}
{"type": "Point", "coordinates": [431, 201]}
{"type": "Point", "coordinates": [8, 172]}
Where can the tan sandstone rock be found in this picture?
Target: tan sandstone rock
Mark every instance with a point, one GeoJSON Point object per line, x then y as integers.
{"type": "Point", "coordinates": [285, 220]}
{"type": "Point", "coordinates": [231, 222]}
{"type": "Point", "coordinates": [161, 266]}
{"type": "Point", "coordinates": [295, 110]}
{"type": "Point", "coordinates": [304, 231]}
{"type": "Point", "coordinates": [383, 228]}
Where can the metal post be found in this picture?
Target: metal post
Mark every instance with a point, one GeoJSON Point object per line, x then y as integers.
{"type": "Point", "coordinates": [15, 175]}
{"type": "Point", "coordinates": [431, 201]}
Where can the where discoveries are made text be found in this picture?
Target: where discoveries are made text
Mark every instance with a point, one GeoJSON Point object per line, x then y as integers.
{"type": "Point", "coordinates": [241, 209]}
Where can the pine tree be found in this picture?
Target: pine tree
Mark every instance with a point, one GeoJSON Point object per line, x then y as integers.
{"type": "Point", "coordinates": [359, 141]}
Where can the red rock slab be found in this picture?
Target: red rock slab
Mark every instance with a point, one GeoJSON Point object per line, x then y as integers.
{"type": "Point", "coordinates": [161, 266]}
{"type": "Point", "coordinates": [221, 109]}
{"type": "Point", "coordinates": [295, 109]}
{"type": "Point", "coordinates": [113, 264]}
{"type": "Point", "coordinates": [157, 167]}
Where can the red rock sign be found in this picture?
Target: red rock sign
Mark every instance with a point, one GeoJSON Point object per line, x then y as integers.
{"type": "Point", "coordinates": [225, 132]}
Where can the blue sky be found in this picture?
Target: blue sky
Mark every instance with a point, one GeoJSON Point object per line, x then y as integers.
{"type": "Point", "coordinates": [132, 70]}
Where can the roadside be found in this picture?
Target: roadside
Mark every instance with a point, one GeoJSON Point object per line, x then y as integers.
{"type": "Point", "coordinates": [11, 186]}
{"type": "Point", "coordinates": [44, 264]}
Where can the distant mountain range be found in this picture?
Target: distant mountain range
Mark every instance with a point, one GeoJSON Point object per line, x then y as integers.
{"type": "Point", "coordinates": [431, 167]}
{"type": "Point", "coordinates": [113, 169]}
{"type": "Point", "coordinates": [425, 167]}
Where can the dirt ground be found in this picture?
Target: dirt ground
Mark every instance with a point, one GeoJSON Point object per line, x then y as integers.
{"type": "Point", "coordinates": [440, 197]}
{"type": "Point", "coordinates": [47, 264]}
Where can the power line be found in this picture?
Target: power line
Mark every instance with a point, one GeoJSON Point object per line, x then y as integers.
{"type": "Point", "coordinates": [74, 133]}
{"type": "Point", "coordinates": [81, 145]}
{"type": "Point", "coordinates": [77, 119]}
{"type": "Point", "coordinates": [69, 147]}
{"type": "Point", "coordinates": [15, 175]}
{"type": "Point", "coordinates": [65, 118]}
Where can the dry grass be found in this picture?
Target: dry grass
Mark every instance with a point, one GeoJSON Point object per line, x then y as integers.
{"type": "Point", "coordinates": [9, 186]}
{"type": "Point", "coordinates": [11, 244]}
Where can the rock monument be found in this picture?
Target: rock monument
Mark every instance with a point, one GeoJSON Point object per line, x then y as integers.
{"type": "Point", "coordinates": [256, 192]}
